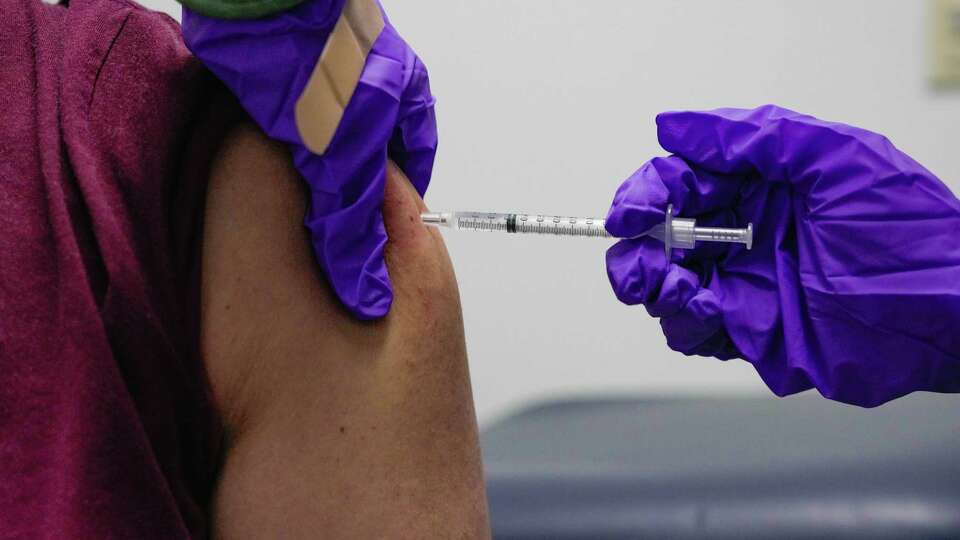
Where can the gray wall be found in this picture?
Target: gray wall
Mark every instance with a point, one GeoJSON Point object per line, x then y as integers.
{"type": "Point", "coordinates": [547, 105]}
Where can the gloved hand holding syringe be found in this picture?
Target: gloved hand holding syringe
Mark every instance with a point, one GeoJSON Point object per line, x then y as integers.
{"type": "Point", "coordinates": [852, 285]}
{"type": "Point", "coordinates": [683, 232]}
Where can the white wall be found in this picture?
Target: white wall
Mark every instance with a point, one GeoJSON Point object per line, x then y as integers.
{"type": "Point", "coordinates": [547, 105]}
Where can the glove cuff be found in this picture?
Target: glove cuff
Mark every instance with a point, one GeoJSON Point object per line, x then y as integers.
{"type": "Point", "coordinates": [240, 9]}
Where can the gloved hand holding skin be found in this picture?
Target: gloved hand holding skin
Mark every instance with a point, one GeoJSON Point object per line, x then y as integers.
{"type": "Point", "coordinates": [853, 282]}
{"type": "Point", "coordinates": [268, 61]}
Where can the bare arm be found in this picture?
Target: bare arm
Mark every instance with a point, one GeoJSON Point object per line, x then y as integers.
{"type": "Point", "coordinates": [337, 429]}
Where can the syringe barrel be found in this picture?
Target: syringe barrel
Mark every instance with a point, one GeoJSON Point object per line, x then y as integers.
{"type": "Point", "coordinates": [551, 225]}
{"type": "Point", "coordinates": [683, 232]}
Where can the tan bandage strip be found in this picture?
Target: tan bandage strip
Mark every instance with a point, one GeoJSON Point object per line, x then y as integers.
{"type": "Point", "coordinates": [334, 79]}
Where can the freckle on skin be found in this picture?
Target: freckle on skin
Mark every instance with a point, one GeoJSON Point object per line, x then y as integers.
{"type": "Point", "coordinates": [343, 429]}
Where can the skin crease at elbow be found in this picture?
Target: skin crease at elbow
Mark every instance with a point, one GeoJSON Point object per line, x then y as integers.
{"type": "Point", "coordinates": [336, 428]}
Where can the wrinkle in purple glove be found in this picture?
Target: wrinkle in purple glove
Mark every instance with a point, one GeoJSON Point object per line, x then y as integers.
{"type": "Point", "coordinates": [266, 63]}
{"type": "Point", "coordinates": [853, 283]}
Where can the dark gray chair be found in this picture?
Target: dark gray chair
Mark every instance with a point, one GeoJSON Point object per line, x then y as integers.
{"type": "Point", "coordinates": [800, 467]}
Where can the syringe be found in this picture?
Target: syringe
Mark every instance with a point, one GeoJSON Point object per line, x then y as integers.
{"type": "Point", "coordinates": [683, 232]}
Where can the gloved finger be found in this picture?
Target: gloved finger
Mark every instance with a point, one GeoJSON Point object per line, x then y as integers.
{"type": "Point", "coordinates": [640, 274]}
{"type": "Point", "coordinates": [719, 345]}
{"type": "Point", "coordinates": [349, 242]}
{"type": "Point", "coordinates": [776, 144]}
{"type": "Point", "coordinates": [642, 199]}
{"type": "Point", "coordinates": [696, 328]}
{"type": "Point", "coordinates": [690, 315]}
{"type": "Point", "coordinates": [413, 144]}
{"type": "Point", "coordinates": [636, 268]}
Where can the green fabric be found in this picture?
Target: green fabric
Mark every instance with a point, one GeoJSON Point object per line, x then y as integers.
{"type": "Point", "coordinates": [239, 9]}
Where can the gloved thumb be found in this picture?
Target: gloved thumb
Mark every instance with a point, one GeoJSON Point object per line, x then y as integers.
{"type": "Point", "coordinates": [642, 199]}
{"type": "Point", "coordinates": [639, 203]}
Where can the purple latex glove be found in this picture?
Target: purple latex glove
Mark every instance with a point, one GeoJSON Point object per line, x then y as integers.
{"type": "Point", "coordinates": [853, 283]}
{"type": "Point", "coordinates": [266, 63]}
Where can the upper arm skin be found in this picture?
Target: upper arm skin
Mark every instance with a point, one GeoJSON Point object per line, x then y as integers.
{"type": "Point", "coordinates": [336, 428]}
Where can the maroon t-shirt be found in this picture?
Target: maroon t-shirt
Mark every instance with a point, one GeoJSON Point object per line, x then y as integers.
{"type": "Point", "coordinates": [107, 128]}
